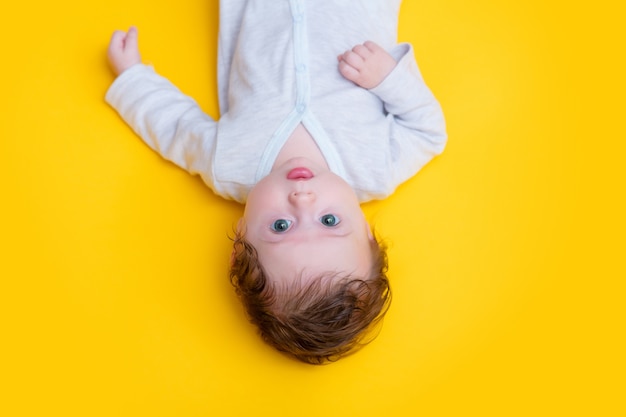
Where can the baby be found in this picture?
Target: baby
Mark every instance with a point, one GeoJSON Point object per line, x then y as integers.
{"type": "Point", "coordinates": [307, 132]}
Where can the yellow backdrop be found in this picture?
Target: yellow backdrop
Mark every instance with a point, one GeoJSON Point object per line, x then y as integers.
{"type": "Point", "coordinates": [506, 251]}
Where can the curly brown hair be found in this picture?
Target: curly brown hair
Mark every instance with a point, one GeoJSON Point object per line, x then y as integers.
{"type": "Point", "coordinates": [321, 321]}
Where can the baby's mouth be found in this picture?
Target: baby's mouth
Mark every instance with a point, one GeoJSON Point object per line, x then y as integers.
{"type": "Point", "coordinates": [300, 173]}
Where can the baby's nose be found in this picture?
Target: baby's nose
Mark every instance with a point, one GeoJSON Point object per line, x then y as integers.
{"type": "Point", "coordinates": [298, 198]}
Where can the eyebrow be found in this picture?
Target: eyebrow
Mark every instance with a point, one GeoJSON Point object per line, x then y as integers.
{"type": "Point", "coordinates": [286, 237]}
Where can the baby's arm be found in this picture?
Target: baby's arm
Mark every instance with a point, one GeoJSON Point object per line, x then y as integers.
{"type": "Point", "coordinates": [366, 65]}
{"type": "Point", "coordinates": [417, 130]}
{"type": "Point", "coordinates": [123, 50]}
{"type": "Point", "coordinates": [167, 120]}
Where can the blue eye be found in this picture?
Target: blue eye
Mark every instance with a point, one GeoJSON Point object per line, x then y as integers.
{"type": "Point", "coordinates": [281, 225]}
{"type": "Point", "coordinates": [330, 220]}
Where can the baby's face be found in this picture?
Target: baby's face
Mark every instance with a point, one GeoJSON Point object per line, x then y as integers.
{"type": "Point", "coordinates": [305, 221]}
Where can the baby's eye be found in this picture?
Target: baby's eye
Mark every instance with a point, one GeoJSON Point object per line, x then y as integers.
{"type": "Point", "coordinates": [329, 220]}
{"type": "Point", "coordinates": [281, 225]}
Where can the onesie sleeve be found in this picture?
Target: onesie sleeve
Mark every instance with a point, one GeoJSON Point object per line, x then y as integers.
{"type": "Point", "coordinates": [168, 121]}
{"type": "Point", "coordinates": [418, 130]}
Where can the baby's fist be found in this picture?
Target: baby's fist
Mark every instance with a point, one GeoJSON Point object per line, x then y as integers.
{"type": "Point", "coordinates": [123, 50]}
{"type": "Point", "coordinates": [366, 65]}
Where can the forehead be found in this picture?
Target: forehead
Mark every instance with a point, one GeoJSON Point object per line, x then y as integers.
{"type": "Point", "coordinates": [337, 255]}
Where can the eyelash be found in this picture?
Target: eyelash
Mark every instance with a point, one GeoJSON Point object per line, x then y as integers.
{"type": "Point", "coordinates": [283, 225]}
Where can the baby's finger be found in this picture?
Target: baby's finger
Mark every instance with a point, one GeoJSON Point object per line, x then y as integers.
{"type": "Point", "coordinates": [353, 59]}
{"type": "Point", "coordinates": [362, 51]}
{"type": "Point", "coordinates": [131, 39]}
{"type": "Point", "coordinates": [348, 72]}
{"type": "Point", "coordinates": [117, 40]}
{"type": "Point", "coordinates": [373, 47]}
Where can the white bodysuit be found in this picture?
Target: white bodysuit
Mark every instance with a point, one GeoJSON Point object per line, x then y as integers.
{"type": "Point", "coordinates": [277, 68]}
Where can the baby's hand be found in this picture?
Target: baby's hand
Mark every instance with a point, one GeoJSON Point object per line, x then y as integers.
{"type": "Point", "coordinates": [366, 65]}
{"type": "Point", "coordinates": [123, 50]}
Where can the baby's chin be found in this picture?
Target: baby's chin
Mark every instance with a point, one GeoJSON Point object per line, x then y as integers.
{"type": "Point", "coordinates": [299, 162]}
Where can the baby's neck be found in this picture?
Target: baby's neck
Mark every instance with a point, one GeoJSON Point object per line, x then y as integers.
{"type": "Point", "coordinates": [300, 144]}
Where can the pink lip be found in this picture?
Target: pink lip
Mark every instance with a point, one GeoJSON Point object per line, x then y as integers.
{"type": "Point", "coordinates": [299, 174]}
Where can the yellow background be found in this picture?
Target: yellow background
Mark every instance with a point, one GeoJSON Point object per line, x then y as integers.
{"type": "Point", "coordinates": [506, 252]}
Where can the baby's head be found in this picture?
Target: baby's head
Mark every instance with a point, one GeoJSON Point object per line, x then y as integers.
{"type": "Point", "coordinates": [306, 266]}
